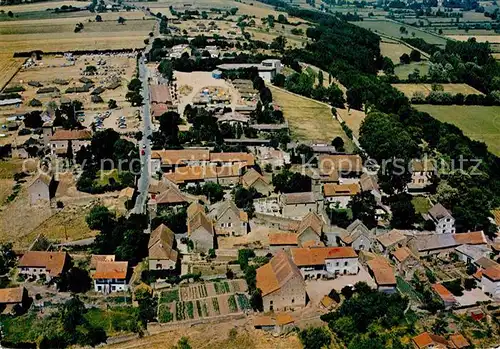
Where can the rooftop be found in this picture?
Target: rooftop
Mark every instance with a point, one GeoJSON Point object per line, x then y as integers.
{"type": "Point", "coordinates": [54, 262]}
{"type": "Point", "coordinates": [66, 135]}
{"type": "Point", "coordinates": [427, 340]}
{"type": "Point", "coordinates": [402, 254]}
{"type": "Point", "coordinates": [391, 238]}
{"type": "Point", "coordinates": [382, 271]}
{"type": "Point", "coordinates": [283, 239]}
{"type": "Point", "coordinates": [160, 94]}
{"type": "Point", "coordinates": [304, 257]}
{"type": "Point", "coordinates": [111, 270]}
{"type": "Point", "coordinates": [275, 274]}
{"type": "Point", "coordinates": [160, 244]}
{"type": "Point", "coordinates": [298, 198]}
{"type": "Point", "coordinates": [444, 293]}
{"type": "Point", "coordinates": [11, 295]}
{"type": "Point", "coordinates": [331, 189]}
{"type": "Point", "coordinates": [100, 258]}
{"type": "Point", "coordinates": [438, 211]}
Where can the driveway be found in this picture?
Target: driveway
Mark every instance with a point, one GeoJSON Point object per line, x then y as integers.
{"type": "Point", "coordinates": [316, 289]}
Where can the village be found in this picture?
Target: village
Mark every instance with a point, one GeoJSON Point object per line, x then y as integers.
{"type": "Point", "coordinates": [173, 188]}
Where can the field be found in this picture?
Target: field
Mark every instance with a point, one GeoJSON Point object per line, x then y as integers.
{"type": "Point", "coordinates": [353, 119]}
{"type": "Point", "coordinates": [479, 38]}
{"type": "Point", "coordinates": [210, 336]}
{"type": "Point", "coordinates": [392, 29]}
{"type": "Point", "coordinates": [403, 70]}
{"type": "Point", "coordinates": [477, 122]}
{"type": "Point", "coordinates": [42, 6]}
{"type": "Point", "coordinates": [8, 67]}
{"type": "Point", "coordinates": [308, 119]}
{"type": "Point", "coordinates": [410, 89]}
{"type": "Point", "coordinates": [393, 50]}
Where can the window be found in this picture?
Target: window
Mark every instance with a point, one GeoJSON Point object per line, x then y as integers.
{"type": "Point", "coordinates": [337, 264]}
{"type": "Point", "coordinates": [345, 264]}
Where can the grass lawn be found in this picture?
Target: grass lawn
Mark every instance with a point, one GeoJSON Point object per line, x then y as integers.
{"type": "Point", "coordinates": [393, 50]}
{"type": "Point", "coordinates": [103, 177]}
{"type": "Point", "coordinates": [410, 89]}
{"type": "Point", "coordinates": [392, 29]}
{"type": "Point", "coordinates": [114, 320]}
{"type": "Point", "coordinates": [421, 204]}
{"type": "Point", "coordinates": [477, 122]}
{"type": "Point", "coordinates": [308, 119]}
{"type": "Point", "coordinates": [403, 70]}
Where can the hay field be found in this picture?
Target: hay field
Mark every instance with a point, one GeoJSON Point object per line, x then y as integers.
{"type": "Point", "coordinates": [206, 336]}
{"type": "Point", "coordinates": [410, 89]}
{"type": "Point", "coordinates": [479, 38]}
{"type": "Point", "coordinates": [353, 119]}
{"type": "Point", "coordinates": [42, 6]}
{"type": "Point", "coordinates": [478, 122]}
{"type": "Point", "coordinates": [309, 120]}
{"type": "Point", "coordinates": [8, 67]}
{"type": "Point", "coordinates": [392, 29]}
{"type": "Point", "coordinates": [393, 50]}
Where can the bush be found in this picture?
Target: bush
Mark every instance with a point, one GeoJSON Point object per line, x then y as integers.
{"type": "Point", "coordinates": [164, 314]}
{"type": "Point", "coordinates": [232, 303]}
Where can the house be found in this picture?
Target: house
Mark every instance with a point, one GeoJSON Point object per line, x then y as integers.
{"type": "Point", "coordinates": [160, 94]}
{"type": "Point", "coordinates": [13, 300]}
{"type": "Point", "coordinates": [267, 70]}
{"type": "Point", "coordinates": [161, 252]}
{"type": "Point", "coordinates": [471, 253]}
{"type": "Point", "coordinates": [471, 238]}
{"type": "Point", "coordinates": [279, 323]}
{"type": "Point", "coordinates": [230, 220]}
{"type": "Point", "coordinates": [431, 244]}
{"type": "Point", "coordinates": [169, 160]}
{"type": "Point", "coordinates": [340, 168]}
{"type": "Point", "coordinates": [490, 281]}
{"type": "Point", "coordinates": [43, 265]}
{"type": "Point", "coordinates": [200, 228]}
{"type": "Point", "coordinates": [429, 341]}
{"type": "Point", "coordinates": [319, 262]}
{"type": "Point", "coordinates": [357, 236]}
{"type": "Point", "coordinates": [281, 284]}
{"type": "Point", "coordinates": [422, 172]}
{"type": "Point", "coordinates": [406, 262]}
{"type": "Point", "coordinates": [253, 179]}
{"type": "Point", "coordinates": [381, 270]}
{"type": "Point", "coordinates": [369, 183]}
{"type": "Point", "coordinates": [391, 241]}
{"type": "Point", "coordinates": [459, 341]}
{"type": "Point", "coordinates": [62, 140]}
{"type": "Point", "coordinates": [100, 258]}
{"type": "Point", "coordinates": [41, 189]}
{"type": "Point", "coordinates": [192, 175]}
{"type": "Point", "coordinates": [274, 157]}
{"type": "Point", "coordinates": [310, 228]}
{"type": "Point", "coordinates": [297, 205]}
{"type": "Point", "coordinates": [339, 194]}
{"type": "Point", "coordinates": [110, 277]}
{"type": "Point", "coordinates": [282, 241]}
{"type": "Point", "coordinates": [445, 295]}
{"type": "Point", "coordinates": [442, 218]}
{"type": "Point", "coordinates": [169, 196]}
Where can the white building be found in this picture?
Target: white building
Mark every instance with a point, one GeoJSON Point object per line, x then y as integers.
{"type": "Point", "coordinates": [339, 194]}
{"type": "Point", "coordinates": [442, 218]}
{"type": "Point", "coordinates": [319, 262]}
{"type": "Point", "coordinates": [110, 277]}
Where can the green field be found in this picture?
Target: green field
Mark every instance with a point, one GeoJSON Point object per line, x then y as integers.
{"type": "Point", "coordinates": [392, 29]}
{"type": "Point", "coordinates": [477, 122]}
{"type": "Point", "coordinates": [403, 70]}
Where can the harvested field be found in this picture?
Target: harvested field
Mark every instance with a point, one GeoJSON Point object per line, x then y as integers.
{"type": "Point", "coordinates": [393, 50]}
{"type": "Point", "coordinates": [66, 225]}
{"type": "Point", "coordinates": [209, 336]}
{"type": "Point", "coordinates": [42, 6]}
{"type": "Point", "coordinates": [353, 119]}
{"type": "Point", "coordinates": [410, 89]}
{"type": "Point", "coordinates": [8, 67]}
{"type": "Point", "coordinates": [391, 28]}
{"type": "Point", "coordinates": [308, 119]}
{"type": "Point", "coordinates": [479, 38]}
{"type": "Point", "coordinates": [478, 122]}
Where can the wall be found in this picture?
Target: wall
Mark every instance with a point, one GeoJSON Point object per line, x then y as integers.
{"type": "Point", "coordinates": [298, 211]}
{"type": "Point", "coordinates": [163, 264]}
{"type": "Point", "coordinates": [291, 295]}
{"type": "Point", "coordinates": [342, 266]}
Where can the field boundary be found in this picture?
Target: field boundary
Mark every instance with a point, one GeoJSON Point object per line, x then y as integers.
{"type": "Point", "coordinates": [13, 75]}
{"type": "Point", "coordinates": [76, 52]}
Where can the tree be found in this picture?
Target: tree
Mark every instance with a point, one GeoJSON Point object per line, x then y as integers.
{"type": "Point", "coordinates": [182, 344]}
{"type": "Point", "coordinates": [33, 119]}
{"type": "Point", "coordinates": [243, 198]}
{"type": "Point", "coordinates": [403, 212]}
{"type": "Point", "coordinates": [415, 56]}
{"type": "Point", "coordinates": [440, 325]}
{"type": "Point", "coordinates": [278, 44]}
{"type": "Point", "coordinates": [100, 218]}
{"type": "Point", "coordinates": [315, 337]}
{"type": "Point", "coordinates": [347, 292]}
{"type": "Point", "coordinates": [320, 78]}
{"type": "Point", "coordinates": [10, 14]}
{"type": "Point", "coordinates": [78, 27]}
{"type": "Point", "coordinates": [404, 59]}
{"type": "Point", "coordinates": [279, 80]}
{"type": "Point", "coordinates": [291, 182]}
{"type": "Point", "coordinates": [134, 85]}
{"type": "Point", "coordinates": [90, 70]}
{"type": "Point", "coordinates": [98, 18]}
{"type": "Point", "coordinates": [147, 305]}
{"type": "Point", "coordinates": [75, 280]}
{"type": "Point", "coordinates": [166, 69]}
{"type": "Point", "coordinates": [121, 20]}
{"type": "Point", "coordinates": [7, 258]}
{"type": "Point", "coordinates": [338, 143]}
{"type": "Point", "coordinates": [363, 207]}
{"type": "Point", "coordinates": [112, 104]}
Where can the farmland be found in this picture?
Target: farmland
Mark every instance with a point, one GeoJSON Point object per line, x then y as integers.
{"type": "Point", "coordinates": [308, 119]}
{"type": "Point", "coordinates": [410, 89]}
{"type": "Point", "coordinates": [393, 50]}
{"type": "Point", "coordinates": [403, 70]}
{"type": "Point", "coordinates": [8, 67]}
{"type": "Point", "coordinates": [478, 122]}
{"type": "Point", "coordinates": [390, 28]}
{"type": "Point", "coordinates": [43, 6]}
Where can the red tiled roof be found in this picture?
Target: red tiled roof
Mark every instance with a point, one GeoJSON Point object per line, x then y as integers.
{"type": "Point", "coordinates": [382, 271]}
{"type": "Point", "coordinates": [443, 292]}
{"type": "Point", "coordinates": [11, 295]}
{"type": "Point", "coordinates": [66, 135]}
{"type": "Point", "coordinates": [100, 258]}
{"type": "Point", "coordinates": [492, 273]}
{"type": "Point", "coordinates": [111, 270]}
{"type": "Point", "coordinates": [459, 341]}
{"type": "Point", "coordinates": [283, 239]}
{"type": "Point", "coordinates": [160, 94]}
{"type": "Point", "coordinates": [52, 261]}
{"type": "Point", "coordinates": [275, 274]}
{"type": "Point", "coordinates": [471, 238]}
{"type": "Point", "coordinates": [303, 257]}
{"type": "Point", "coordinates": [332, 189]}
{"type": "Point", "coordinates": [424, 340]}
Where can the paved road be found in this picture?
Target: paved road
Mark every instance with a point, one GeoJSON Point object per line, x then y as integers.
{"type": "Point", "coordinates": [145, 144]}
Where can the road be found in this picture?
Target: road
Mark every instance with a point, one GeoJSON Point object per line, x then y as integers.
{"type": "Point", "coordinates": [144, 144]}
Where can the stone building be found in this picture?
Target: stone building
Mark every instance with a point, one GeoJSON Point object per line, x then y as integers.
{"type": "Point", "coordinates": [230, 220]}
{"type": "Point", "coordinates": [161, 252]}
{"type": "Point", "coordinates": [200, 228]}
